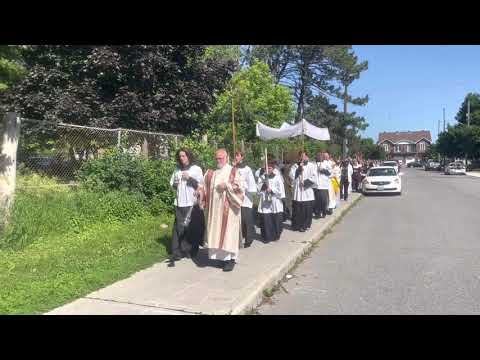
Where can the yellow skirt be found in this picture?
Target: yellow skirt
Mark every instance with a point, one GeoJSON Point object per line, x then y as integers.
{"type": "Point", "coordinates": [336, 186]}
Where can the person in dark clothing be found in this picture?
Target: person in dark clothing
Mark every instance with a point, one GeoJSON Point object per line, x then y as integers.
{"type": "Point", "coordinates": [344, 181]}
{"type": "Point", "coordinates": [189, 226]}
{"type": "Point", "coordinates": [357, 177]}
{"type": "Point", "coordinates": [248, 219]}
{"type": "Point", "coordinates": [271, 190]}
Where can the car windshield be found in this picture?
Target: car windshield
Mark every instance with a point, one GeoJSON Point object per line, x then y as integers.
{"type": "Point", "coordinates": [390, 163]}
{"type": "Point", "coordinates": [382, 172]}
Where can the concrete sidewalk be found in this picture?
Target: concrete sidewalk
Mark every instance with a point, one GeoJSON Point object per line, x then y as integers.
{"type": "Point", "coordinates": [200, 286]}
{"type": "Point", "coordinates": [474, 173]}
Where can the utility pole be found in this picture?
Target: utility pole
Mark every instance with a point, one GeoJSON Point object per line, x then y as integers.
{"type": "Point", "coordinates": [468, 124]}
{"type": "Point", "coordinates": [344, 145]}
{"type": "Point", "coordinates": [438, 135]}
{"type": "Point", "coordinates": [443, 119]}
{"type": "Point", "coordinates": [468, 113]}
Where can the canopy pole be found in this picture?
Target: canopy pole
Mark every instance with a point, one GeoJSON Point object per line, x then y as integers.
{"type": "Point", "coordinates": [234, 135]}
{"type": "Point", "coordinates": [303, 136]}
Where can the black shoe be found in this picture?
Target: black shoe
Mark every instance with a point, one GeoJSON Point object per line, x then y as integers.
{"type": "Point", "coordinates": [229, 265]}
{"type": "Point", "coordinates": [302, 230]}
{"type": "Point", "coordinates": [175, 258]}
{"type": "Point", "coordinates": [247, 244]}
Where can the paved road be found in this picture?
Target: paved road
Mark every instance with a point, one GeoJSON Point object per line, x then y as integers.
{"type": "Point", "coordinates": [418, 253]}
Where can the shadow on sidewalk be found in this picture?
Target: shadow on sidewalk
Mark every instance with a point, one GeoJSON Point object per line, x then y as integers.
{"type": "Point", "coordinates": [202, 260]}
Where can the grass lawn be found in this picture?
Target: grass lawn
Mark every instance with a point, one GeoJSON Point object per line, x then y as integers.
{"type": "Point", "coordinates": [46, 274]}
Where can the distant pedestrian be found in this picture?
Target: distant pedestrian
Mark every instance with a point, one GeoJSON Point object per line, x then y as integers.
{"type": "Point", "coordinates": [356, 177]}
{"type": "Point", "coordinates": [344, 180]}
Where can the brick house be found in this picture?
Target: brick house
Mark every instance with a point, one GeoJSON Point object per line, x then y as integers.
{"type": "Point", "coordinates": [405, 146]}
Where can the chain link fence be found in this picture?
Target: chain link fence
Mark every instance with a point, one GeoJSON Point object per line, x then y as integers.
{"type": "Point", "coordinates": [58, 150]}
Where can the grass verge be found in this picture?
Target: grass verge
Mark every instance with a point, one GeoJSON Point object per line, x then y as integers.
{"type": "Point", "coordinates": [62, 245]}
{"type": "Point", "coordinates": [53, 272]}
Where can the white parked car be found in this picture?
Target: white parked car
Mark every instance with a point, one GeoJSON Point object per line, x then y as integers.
{"type": "Point", "coordinates": [393, 164]}
{"type": "Point", "coordinates": [456, 167]}
{"type": "Point", "coordinates": [382, 179]}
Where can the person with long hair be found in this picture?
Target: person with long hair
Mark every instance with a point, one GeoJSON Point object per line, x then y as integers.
{"type": "Point", "coordinates": [189, 226]}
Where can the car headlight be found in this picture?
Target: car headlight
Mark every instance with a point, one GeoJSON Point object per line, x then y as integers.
{"type": "Point", "coordinates": [396, 181]}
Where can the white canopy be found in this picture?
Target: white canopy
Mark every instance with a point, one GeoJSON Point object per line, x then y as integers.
{"type": "Point", "coordinates": [287, 131]}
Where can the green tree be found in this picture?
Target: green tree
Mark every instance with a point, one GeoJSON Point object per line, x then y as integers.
{"type": "Point", "coordinates": [461, 116]}
{"type": "Point", "coordinates": [431, 152]}
{"type": "Point", "coordinates": [324, 114]}
{"type": "Point", "coordinates": [11, 65]}
{"type": "Point", "coordinates": [279, 58]}
{"type": "Point", "coordinates": [460, 141]}
{"type": "Point", "coordinates": [347, 70]}
{"type": "Point", "coordinates": [256, 98]}
{"type": "Point", "coordinates": [150, 87]}
{"type": "Point", "coordinates": [312, 70]}
{"type": "Point", "coordinates": [370, 150]}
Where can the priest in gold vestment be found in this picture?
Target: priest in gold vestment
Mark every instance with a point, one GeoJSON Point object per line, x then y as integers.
{"type": "Point", "coordinates": [224, 194]}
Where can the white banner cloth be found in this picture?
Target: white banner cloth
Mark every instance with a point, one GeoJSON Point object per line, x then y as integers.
{"type": "Point", "coordinates": [287, 131]}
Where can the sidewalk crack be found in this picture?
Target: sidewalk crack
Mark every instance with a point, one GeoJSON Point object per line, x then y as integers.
{"type": "Point", "coordinates": [149, 306]}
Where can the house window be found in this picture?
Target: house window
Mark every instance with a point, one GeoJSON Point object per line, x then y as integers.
{"type": "Point", "coordinates": [385, 147]}
{"type": "Point", "coordinates": [422, 146]}
{"type": "Point", "coordinates": [397, 148]}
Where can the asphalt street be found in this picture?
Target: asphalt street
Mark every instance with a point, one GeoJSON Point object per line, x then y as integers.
{"type": "Point", "coordinates": [418, 253]}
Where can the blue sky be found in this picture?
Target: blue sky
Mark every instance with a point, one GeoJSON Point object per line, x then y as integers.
{"type": "Point", "coordinates": [409, 85]}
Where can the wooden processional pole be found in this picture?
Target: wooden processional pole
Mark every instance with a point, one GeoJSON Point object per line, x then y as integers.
{"type": "Point", "coordinates": [234, 135]}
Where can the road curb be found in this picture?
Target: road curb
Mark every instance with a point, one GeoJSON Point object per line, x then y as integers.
{"type": "Point", "coordinates": [255, 298]}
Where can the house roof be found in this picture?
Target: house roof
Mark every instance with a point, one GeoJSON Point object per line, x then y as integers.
{"type": "Point", "coordinates": [398, 136]}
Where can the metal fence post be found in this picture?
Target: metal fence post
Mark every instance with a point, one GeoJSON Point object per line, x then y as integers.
{"type": "Point", "coordinates": [119, 138]}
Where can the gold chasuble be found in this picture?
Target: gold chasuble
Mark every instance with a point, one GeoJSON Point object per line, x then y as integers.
{"type": "Point", "coordinates": [223, 212]}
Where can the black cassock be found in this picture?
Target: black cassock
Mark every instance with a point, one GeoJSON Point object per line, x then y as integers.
{"type": "Point", "coordinates": [272, 226]}
{"type": "Point", "coordinates": [187, 239]}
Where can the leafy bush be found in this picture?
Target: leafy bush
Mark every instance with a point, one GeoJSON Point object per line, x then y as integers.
{"type": "Point", "coordinates": [121, 171]}
{"type": "Point", "coordinates": [116, 170]}
{"type": "Point", "coordinates": [204, 152]}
